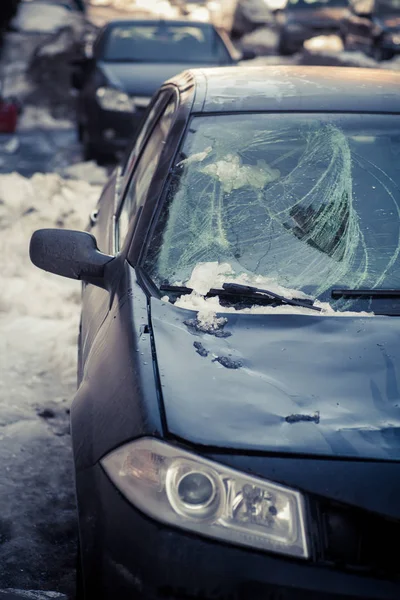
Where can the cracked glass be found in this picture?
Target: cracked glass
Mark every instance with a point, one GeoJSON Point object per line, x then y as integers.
{"type": "Point", "coordinates": [310, 200]}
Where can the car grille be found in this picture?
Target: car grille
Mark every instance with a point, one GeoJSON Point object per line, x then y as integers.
{"type": "Point", "coordinates": [356, 540]}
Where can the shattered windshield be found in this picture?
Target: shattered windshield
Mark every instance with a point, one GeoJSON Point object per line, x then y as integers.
{"type": "Point", "coordinates": [308, 201]}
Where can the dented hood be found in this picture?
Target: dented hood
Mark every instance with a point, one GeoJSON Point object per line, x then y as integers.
{"type": "Point", "coordinates": [282, 383]}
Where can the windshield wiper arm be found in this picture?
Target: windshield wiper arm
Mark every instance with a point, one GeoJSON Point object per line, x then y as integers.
{"type": "Point", "coordinates": [364, 293]}
{"type": "Point", "coordinates": [248, 290]}
{"type": "Point", "coordinates": [244, 291]}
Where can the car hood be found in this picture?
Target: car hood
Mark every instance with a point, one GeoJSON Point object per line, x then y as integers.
{"type": "Point", "coordinates": [142, 79]}
{"type": "Point", "coordinates": [282, 383]}
{"type": "Point", "coordinates": [322, 16]}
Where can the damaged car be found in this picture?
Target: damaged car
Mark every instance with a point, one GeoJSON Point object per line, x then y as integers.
{"type": "Point", "coordinates": [236, 428]}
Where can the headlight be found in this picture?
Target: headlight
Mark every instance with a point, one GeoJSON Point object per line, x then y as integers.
{"type": "Point", "coordinates": [192, 493]}
{"type": "Point", "coordinates": [112, 99]}
{"type": "Point", "coordinates": [395, 38]}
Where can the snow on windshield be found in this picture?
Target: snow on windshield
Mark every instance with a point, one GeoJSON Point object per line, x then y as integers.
{"type": "Point", "coordinates": [307, 203]}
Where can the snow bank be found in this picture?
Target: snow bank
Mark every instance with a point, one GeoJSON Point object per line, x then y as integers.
{"type": "Point", "coordinates": [39, 318]}
{"type": "Point", "coordinates": [331, 43]}
{"type": "Point", "coordinates": [263, 41]}
{"type": "Point", "coordinates": [35, 117]}
{"type": "Point", "coordinates": [331, 46]}
{"type": "Point", "coordinates": [26, 205]}
{"type": "Point", "coordinates": [88, 171]}
{"type": "Point", "coordinates": [43, 17]}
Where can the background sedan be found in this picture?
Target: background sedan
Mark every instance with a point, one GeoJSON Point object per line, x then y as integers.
{"type": "Point", "coordinates": [130, 60]}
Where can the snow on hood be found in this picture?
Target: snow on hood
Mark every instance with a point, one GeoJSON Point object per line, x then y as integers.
{"type": "Point", "coordinates": [213, 274]}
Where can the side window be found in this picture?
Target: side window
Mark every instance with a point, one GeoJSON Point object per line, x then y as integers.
{"type": "Point", "coordinates": [143, 174]}
{"type": "Point", "coordinates": [147, 125]}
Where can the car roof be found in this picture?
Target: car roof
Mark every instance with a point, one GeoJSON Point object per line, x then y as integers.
{"type": "Point", "coordinates": [294, 89]}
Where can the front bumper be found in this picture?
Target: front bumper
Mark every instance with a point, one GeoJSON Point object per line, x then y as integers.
{"type": "Point", "coordinates": [126, 555]}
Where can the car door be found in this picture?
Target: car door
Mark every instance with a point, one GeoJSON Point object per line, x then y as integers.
{"type": "Point", "coordinates": [118, 206]}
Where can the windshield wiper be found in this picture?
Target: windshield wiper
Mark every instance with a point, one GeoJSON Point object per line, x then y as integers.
{"type": "Point", "coordinates": [364, 293]}
{"type": "Point", "coordinates": [245, 291]}
{"type": "Point", "coordinates": [254, 292]}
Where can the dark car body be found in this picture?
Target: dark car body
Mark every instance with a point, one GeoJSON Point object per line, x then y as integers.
{"type": "Point", "coordinates": [304, 20]}
{"type": "Point", "coordinates": [373, 27]}
{"type": "Point", "coordinates": [309, 402]}
{"type": "Point", "coordinates": [105, 131]}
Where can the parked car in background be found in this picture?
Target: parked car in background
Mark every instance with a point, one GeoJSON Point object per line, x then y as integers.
{"type": "Point", "coordinates": [130, 59]}
{"type": "Point", "coordinates": [249, 15]}
{"type": "Point", "coordinates": [304, 19]}
{"type": "Point", "coordinates": [236, 426]}
{"type": "Point", "coordinates": [373, 26]}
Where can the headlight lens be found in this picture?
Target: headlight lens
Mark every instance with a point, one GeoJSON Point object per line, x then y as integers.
{"type": "Point", "coordinates": [190, 492]}
{"type": "Point", "coordinates": [113, 99]}
{"type": "Point", "coordinates": [395, 38]}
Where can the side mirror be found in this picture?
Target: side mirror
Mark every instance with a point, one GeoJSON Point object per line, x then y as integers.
{"type": "Point", "coordinates": [248, 55]}
{"type": "Point", "coordinates": [68, 253]}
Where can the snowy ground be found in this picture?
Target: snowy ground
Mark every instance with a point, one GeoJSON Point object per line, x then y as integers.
{"type": "Point", "coordinates": [38, 328]}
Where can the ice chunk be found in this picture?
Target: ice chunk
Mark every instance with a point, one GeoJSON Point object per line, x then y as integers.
{"type": "Point", "coordinates": [233, 175]}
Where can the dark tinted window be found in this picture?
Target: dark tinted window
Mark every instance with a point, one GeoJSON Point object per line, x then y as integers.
{"type": "Point", "coordinates": [163, 42]}
{"type": "Point", "coordinates": [143, 174]}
